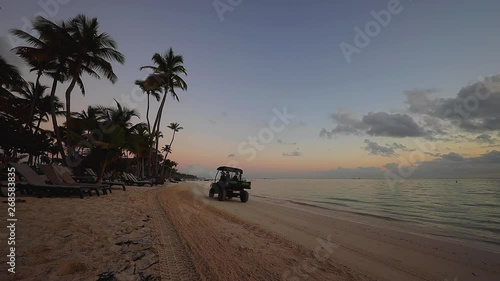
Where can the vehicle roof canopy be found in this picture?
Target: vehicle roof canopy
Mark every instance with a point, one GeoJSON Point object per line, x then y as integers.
{"type": "Point", "coordinates": [230, 169]}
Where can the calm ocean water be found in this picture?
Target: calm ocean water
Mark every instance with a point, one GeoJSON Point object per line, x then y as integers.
{"type": "Point", "coordinates": [467, 209]}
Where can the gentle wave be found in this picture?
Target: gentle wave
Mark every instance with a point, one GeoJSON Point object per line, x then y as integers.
{"type": "Point", "coordinates": [468, 210]}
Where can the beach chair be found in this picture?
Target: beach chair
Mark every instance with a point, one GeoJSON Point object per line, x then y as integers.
{"type": "Point", "coordinates": [131, 179]}
{"type": "Point", "coordinates": [110, 182]}
{"type": "Point", "coordinates": [36, 184]}
{"type": "Point", "coordinates": [58, 177]}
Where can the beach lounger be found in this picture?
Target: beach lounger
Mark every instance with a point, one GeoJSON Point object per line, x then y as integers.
{"type": "Point", "coordinates": [111, 183]}
{"type": "Point", "coordinates": [59, 177]}
{"type": "Point", "coordinates": [131, 179]}
{"type": "Point", "coordinates": [36, 183]}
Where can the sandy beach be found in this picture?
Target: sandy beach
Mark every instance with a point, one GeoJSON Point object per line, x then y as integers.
{"type": "Point", "coordinates": [176, 232]}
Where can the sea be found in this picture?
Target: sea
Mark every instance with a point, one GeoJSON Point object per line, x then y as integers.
{"type": "Point", "coordinates": [466, 210]}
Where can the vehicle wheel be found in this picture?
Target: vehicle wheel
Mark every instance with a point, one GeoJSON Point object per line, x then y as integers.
{"type": "Point", "coordinates": [244, 196]}
{"type": "Point", "coordinates": [222, 194]}
{"type": "Point", "coordinates": [211, 192]}
{"type": "Point", "coordinates": [230, 195]}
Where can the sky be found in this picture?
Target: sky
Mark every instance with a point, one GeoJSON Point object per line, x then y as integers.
{"type": "Point", "coordinates": [289, 89]}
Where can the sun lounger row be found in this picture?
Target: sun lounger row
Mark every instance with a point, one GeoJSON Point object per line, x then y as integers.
{"type": "Point", "coordinates": [61, 182]}
{"type": "Point", "coordinates": [132, 180]}
{"type": "Point", "coordinates": [93, 176]}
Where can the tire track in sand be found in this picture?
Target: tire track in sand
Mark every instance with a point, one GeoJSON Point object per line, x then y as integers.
{"type": "Point", "coordinates": [225, 247]}
{"type": "Point", "coordinates": [175, 261]}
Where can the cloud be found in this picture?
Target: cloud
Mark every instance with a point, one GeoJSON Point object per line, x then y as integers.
{"type": "Point", "coordinates": [388, 150]}
{"type": "Point", "coordinates": [419, 100]}
{"type": "Point", "coordinates": [485, 138]}
{"type": "Point", "coordinates": [293, 154]}
{"type": "Point", "coordinates": [434, 154]}
{"type": "Point", "coordinates": [374, 124]}
{"type": "Point", "coordinates": [452, 156]}
{"type": "Point", "coordinates": [392, 125]}
{"type": "Point", "coordinates": [434, 125]}
{"type": "Point", "coordinates": [232, 155]}
{"type": "Point", "coordinates": [454, 165]}
{"type": "Point", "coordinates": [347, 123]}
{"type": "Point", "coordinates": [474, 109]}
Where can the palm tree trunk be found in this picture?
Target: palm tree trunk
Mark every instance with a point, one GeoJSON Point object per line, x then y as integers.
{"type": "Point", "coordinates": [53, 115]}
{"type": "Point", "coordinates": [31, 159]}
{"type": "Point", "coordinates": [149, 132]}
{"type": "Point", "coordinates": [35, 98]}
{"type": "Point", "coordinates": [38, 125]}
{"type": "Point", "coordinates": [103, 168]}
{"type": "Point", "coordinates": [147, 116]}
{"type": "Point", "coordinates": [156, 129]}
{"type": "Point", "coordinates": [170, 145]}
{"type": "Point", "coordinates": [69, 146]}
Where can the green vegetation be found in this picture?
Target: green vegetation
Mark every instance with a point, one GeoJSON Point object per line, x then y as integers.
{"type": "Point", "coordinates": [109, 139]}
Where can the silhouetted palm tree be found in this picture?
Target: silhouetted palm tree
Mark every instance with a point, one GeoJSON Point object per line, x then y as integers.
{"type": "Point", "coordinates": [55, 45]}
{"type": "Point", "coordinates": [30, 93]}
{"type": "Point", "coordinates": [93, 52]}
{"type": "Point", "coordinates": [167, 74]}
{"type": "Point", "coordinates": [117, 136]}
{"type": "Point", "coordinates": [39, 58]}
{"type": "Point", "coordinates": [175, 127]}
{"type": "Point", "coordinates": [149, 91]}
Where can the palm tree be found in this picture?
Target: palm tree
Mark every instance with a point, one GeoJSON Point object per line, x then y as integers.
{"type": "Point", "coordinates": [140, 145]}
{"type": "Point", "coordinates": [39, 58]}
{"type": "Point", "coordinates": [167, 150]}
{"type": "Point", "coordinates": [92, 54]}
{"type": "Point", "coordinates": [55, 45]}
{"type": "Point", "coordinates": [175, 127]}
{"type": "Point", "coordinates": [115, 138]}
{"type": "Point", "coordinates": [43, 109]}
{"type": "Point", "coordinates": [167, 74]}
{"type": "Point", "coordinates": [31, 94]}
{"type": "Point", "coordinates": [170, 166]}
{"type": "Point", "coordinates": [149, 91]}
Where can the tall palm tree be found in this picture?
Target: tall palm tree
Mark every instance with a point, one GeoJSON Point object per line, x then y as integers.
{"type": "Point", "coordinates": [175, 127]}
{"type": "Point", "coordinates": [55, 45]}
{"type": "Point", "coordinates": [93, 55]}
{"type": "Point", "coordinates": [167, 72]}
{"type": "Point", "coordinates": [150, 91]}
{"type": "Point", "coordinates": [39, 58]}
